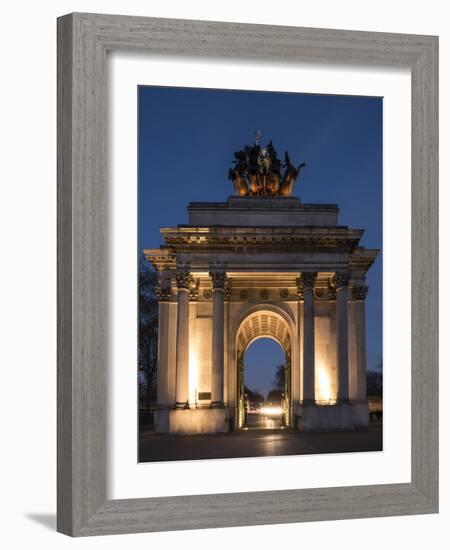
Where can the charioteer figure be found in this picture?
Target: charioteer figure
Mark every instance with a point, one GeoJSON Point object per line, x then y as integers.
{"type": "Point", "coordinates": [258, 172]}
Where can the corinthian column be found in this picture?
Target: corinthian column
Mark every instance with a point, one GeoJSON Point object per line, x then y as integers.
{"type": "Point", "coordinates": [308, 280]}
{"type": "Point", "coordinates": [218, 279]}
{"type": "Point", "coordinates": [342, 336]}
{"type": "Point", "coordinates": [164, 294]}
{"type": "Point", "coordinates": [182, 376]}
{"type": "Point", "coordinates": [359, 296]}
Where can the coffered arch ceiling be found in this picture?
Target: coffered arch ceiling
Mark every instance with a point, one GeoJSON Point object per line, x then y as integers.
{"type": "Point", "coordinates": [263, 323]}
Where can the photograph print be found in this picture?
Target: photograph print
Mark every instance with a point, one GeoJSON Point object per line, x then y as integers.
{"type": "Point", "coordinates": [260, 273]}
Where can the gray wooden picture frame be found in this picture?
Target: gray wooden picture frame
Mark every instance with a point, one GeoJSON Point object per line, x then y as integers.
{"type": "Point", "coordinates": [83, 41]}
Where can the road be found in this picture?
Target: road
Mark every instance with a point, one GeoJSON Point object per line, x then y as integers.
{"type": "Point", "coordinates": [256, 442]}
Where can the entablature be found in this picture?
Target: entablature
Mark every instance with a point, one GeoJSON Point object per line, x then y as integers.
{"type": "Point", "coordinates": [261, 239]}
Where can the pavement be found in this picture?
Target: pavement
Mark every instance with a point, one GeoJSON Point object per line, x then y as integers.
{"type": "Point", "coordinates": [256, 441]}
{"type": "Point", "coordinates": [260, 422]}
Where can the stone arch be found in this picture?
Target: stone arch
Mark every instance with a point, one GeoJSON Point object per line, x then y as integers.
{"type": "Point", "coordinates": [262, 321]}
{"type": "Point", "coordinates": [263, 324]}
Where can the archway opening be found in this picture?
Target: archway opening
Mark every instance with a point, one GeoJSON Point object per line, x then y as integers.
{"type": "Point", "coordinates": [266, 323]}
{"type": "Point", "coordinates": [265, 399]}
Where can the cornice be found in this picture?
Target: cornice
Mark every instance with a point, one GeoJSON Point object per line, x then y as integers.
{"type": "Point", "coordinates": [261, 239]}
{"type": "Point", "coordinates": [362, 259]}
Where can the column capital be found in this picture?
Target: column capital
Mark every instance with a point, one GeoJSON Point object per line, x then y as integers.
{"type": "Point", "coordinates": [308, 278]}
{"type": "Point", "coordinates": [164, 293]}
{"type": "Point", "coordinates": [164, 290]}
{"type": "Point", "coordinates": [184, 279]}
{"type": "Point", "coordinates": [341, 278]}
{"type": "Point", "coordinates": [360, 292]}
{"type": "Point", "coordinates": [218, 279]}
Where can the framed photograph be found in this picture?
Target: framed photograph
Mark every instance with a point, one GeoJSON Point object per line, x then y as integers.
{"type": "Point", "coordinates": [247, 274]}
{"type": "Point", "coordinates": [254, 268]}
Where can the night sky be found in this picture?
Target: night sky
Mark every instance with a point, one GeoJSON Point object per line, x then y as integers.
{"type": "Point", "coordinates": [186, 142]}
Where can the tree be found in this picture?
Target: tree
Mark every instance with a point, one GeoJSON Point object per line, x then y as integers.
{"type": "Point", "coordinates": [374, 383]}
{"type": "Point", "coordinates": [253, 396]}
{"type": "Point", "coordinates": [148, 332]}
{"type": "Point", "coordinates": [279, 380]}
{"type": "Point", "coordinates": [275, 396]}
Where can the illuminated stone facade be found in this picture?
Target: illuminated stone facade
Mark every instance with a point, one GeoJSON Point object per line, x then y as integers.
{"type": "Point", "coordinates": [261, 267]}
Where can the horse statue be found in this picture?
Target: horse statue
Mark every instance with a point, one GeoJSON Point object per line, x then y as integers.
{"type": "Point", "coordinates": [239, 182]}
{"type": "Point", "coordinates": [273, 184]}
{"type": "Point", "coordinates": [258, 172]}
{"type": "Point", "coordinates": [237, 174]}
{"type": "Point", "coordinates": [291, 175]}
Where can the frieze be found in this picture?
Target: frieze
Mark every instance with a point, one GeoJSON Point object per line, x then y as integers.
{"type": "Point", "coordinates": [319, 293]}
{"type": "Point", "coordinates": [207, 294]}
{"type": "Point", "coordinates": [276, 249]}
{"type": "Point", "coordinates": [269, 243]}
{"type": "Point", "coordinates": [284, 293]}
{"type": "Point", "coordinates": [240, 240]}
{"type": "Point", "coordinates": [243, 294]}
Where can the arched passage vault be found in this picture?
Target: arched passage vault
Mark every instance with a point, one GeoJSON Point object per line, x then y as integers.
{"type": "Point", "coordinates": [262, 321]}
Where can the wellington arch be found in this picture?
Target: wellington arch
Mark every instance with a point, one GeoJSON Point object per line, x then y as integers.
{"type": "Point", "coordinates": [261, 265]}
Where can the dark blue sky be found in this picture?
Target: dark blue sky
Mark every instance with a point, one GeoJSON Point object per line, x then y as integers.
{"type": "Point", "coordinates": [260, 362]}
{"type": "Point", "coordinates": [186, 142]}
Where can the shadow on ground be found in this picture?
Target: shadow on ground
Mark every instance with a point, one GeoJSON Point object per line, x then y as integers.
{"type": "Point", "coordinates": [46, 520]}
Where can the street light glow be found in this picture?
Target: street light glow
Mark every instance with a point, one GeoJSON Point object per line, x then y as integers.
{"type": "Point", "coordinates": [271, 411]}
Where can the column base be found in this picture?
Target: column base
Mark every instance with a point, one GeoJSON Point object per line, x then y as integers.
{"type": "Point", "coordinates": [193, 421]}
{"type": "Point", "coordinates": [182, 406]}
{"type": "Point", "coordinates": [217, 405]}
{"type": "Point", "coordinates": [317, 418]}
{"type": "Point", "coordinates": [361, 414]}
